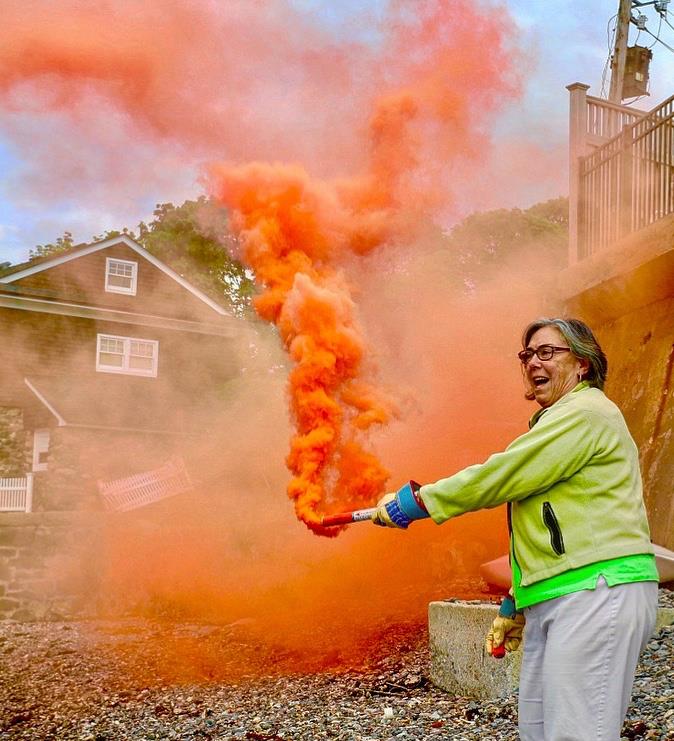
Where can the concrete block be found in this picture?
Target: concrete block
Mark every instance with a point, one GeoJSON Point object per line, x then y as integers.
{"type": "Point", "coordinates": [459, 664]}
{"type": "Point", "coordinates": [665, 617]}
{"type": "Point", "coordinates": [457, 630]}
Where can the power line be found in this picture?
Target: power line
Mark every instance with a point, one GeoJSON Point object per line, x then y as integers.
{"type": "Point", "coordinates": [659, 27]}
{"type": "Point", "coordinates": [657, 38]}
{"type": "Point", "coordinates": [610, 37]}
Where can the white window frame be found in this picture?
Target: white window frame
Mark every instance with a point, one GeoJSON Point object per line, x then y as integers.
{"type": "Point", "coordinates": [131, 291]}
{"type": "Point", "coordinates": [126, 356]}
{"type": "Point", "coordinates": [41, 439]}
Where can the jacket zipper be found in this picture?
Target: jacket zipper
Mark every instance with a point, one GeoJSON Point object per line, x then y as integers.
{"type": "Point", "coordinates": [550, 520]}
{"type": "Point", "coordinates": [511, 553]}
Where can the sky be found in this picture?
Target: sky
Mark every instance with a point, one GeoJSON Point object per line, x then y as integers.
{"type": "Point", "coordinates": [85, 150]}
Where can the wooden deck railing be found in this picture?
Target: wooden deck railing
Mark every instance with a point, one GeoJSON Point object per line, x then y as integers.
{"type": "Point", "coordinates": [16, 493]}
{"type": "Point", "coordinates": [627, 183]}
{"type": "Point", "coordinates": [606, 120]}
{"type": "Point", "coordinates": [144, 488]}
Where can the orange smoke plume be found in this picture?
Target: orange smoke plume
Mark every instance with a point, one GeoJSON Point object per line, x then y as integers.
{"type": "Point", "coordinates": [140, 90]}
{"type": "Point", "coordinates": [403, 111]}
{"type": "Point", "coordinates": [293, 228]}
{"type": "Point", "coordinates": [298, 233]}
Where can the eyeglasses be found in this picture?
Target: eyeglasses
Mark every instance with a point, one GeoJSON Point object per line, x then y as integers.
{"type": "Point", "coordinates": [544, 352]}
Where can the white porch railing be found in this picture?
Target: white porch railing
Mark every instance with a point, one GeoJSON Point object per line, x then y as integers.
{"type": "Point", "coordinates": [628, 183]}
{"type": "Point", "coordinates": [592, 123]}
{"type": "Point", "coordinates": [144, 488]}
{"type": "Point", "coordinates": [16, 494]}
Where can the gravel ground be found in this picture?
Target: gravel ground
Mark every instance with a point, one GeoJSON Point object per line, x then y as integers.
{"type": "Point", "coordinates": [138, 679]}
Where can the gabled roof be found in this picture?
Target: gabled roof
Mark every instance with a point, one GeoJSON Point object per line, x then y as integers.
{"type": "Point", "coordinates": [17, 272]}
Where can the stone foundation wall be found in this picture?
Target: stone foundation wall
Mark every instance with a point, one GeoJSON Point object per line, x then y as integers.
{"type": "Point", "coordinates": [15, 443]}
{"type": "Point", "coordinates": [48, 564]}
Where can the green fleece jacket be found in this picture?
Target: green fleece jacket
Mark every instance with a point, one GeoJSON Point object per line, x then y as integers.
{"type": "Point", "coordinates": [574, 483]}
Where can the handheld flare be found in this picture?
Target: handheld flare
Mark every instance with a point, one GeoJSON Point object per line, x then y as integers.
{"type": "Point", "coordinates": [346, 518]}
{"type": "Point", "coordinates": [498, 652]}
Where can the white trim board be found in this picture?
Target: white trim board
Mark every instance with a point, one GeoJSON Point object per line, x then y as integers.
{"type": "Point", "coordinates": [27, 303]}
{"type": "Point", "coordinates": [59, 418]}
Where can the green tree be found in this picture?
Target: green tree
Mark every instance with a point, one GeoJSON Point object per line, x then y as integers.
{"type": "Point", "coordinates": [196, 241]}
{"type": "Point", "coordinates": [62, 244]}
{"type": "Point", "coordinates": [484, 242]}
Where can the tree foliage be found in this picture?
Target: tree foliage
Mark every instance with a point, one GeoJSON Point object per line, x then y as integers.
{"type": "Point", "coordinates": [487, 241]}
{"type": "Point", "coordinates": [195, 240]}
{"type": "Point", "coordinates": [62, 244]}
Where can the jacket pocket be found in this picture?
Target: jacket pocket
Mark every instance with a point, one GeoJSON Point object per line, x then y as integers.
{"type": "Point", "coordinates": [550, 520]}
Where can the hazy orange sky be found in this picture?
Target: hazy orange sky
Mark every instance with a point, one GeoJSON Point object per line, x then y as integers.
{"type": "Point", "coordinates": [83, 149]}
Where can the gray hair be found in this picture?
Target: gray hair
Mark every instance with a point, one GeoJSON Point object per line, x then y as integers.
{"type": "Point", "coordinates": [582, 342]}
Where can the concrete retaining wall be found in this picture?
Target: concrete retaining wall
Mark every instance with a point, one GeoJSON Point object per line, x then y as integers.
{"type": "Point", "coordinates": [626, 294]}
{"type": "Point", "coordinates": [459, 664]}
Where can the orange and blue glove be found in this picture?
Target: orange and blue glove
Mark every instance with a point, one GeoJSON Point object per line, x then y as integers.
{"type": "Point", "coordinates": [400, 508]}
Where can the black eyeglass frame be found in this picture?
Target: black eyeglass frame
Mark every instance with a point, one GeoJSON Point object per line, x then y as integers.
{"type": "Point", "coordinates": [548, 353]}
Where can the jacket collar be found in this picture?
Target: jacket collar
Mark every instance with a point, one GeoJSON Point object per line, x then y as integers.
{"type": "Point", "coordinates": [540, 412]}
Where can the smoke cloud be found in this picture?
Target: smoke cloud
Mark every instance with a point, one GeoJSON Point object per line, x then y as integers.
{"type": "Point", "coordinates": [298, 231]}
{"type": "Point", "coordinates": [136, 94]}
{"type": "Point", "coordinates": [333, 156]}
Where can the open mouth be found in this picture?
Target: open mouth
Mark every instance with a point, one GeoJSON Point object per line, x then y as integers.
{"type": "Point", "coordinates": [539, 381]}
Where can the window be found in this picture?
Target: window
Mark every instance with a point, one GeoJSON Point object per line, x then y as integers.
{"type": "Point", "coordinates": [40, 449]}
{"type": "Point", "coordinates": [120, 276]}
{"type": "Point", "coordinates": [129, 355]}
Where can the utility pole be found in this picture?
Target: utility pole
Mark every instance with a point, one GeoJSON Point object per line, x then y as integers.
{"type": "Point", "coordinates": [620, 51]}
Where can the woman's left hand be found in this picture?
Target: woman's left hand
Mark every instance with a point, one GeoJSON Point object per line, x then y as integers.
{"type": "Point", "coordinates": [506, 632]}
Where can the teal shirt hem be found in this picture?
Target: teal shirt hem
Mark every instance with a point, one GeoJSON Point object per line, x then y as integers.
{"type": "Point", "coordinates": [623, 570]}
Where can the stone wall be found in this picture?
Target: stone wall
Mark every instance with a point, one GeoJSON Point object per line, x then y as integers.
{"type": "Point", "coordinates": [15, 443]}
{"type": "Point", "coordinates": [48, 564]}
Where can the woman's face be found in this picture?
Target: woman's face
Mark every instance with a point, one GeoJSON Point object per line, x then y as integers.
{"type": "Point", "coordinates": [551, 379]}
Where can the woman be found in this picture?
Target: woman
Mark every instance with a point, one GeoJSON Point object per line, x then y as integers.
{"type": "Point", "coordinates": [584, 574]}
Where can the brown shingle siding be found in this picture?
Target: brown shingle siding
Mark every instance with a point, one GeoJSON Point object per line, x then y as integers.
{"type": "Point", "coordinates": [49, 322]}
{"type": "Point", "coordinates": [36, 344]}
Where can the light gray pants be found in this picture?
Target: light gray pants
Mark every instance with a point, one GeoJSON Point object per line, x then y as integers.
{"type": "Point", "coordinates": [580, 655]}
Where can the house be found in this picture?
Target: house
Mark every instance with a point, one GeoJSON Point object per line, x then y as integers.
{"type": "Point", "coordinates": [111, 362]}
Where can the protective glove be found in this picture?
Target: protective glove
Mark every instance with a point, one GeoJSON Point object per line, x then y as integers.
{"type": "Point", "coordinates": [399, 509]}
{"type": "Point", "coordinates": [506, 630]}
